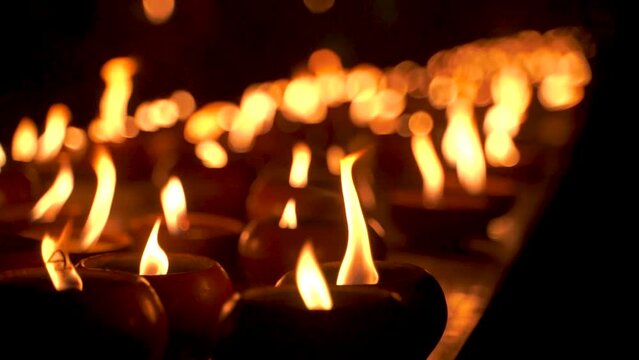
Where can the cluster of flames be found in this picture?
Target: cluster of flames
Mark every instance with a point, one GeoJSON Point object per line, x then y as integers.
{"type": "Point", "coordinates": [500, 73]}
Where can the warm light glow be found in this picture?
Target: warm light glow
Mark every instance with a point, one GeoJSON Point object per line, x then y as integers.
{"type": "Point", "coordinates": [503, 119]}
{"type": "Point", "coordinates": [52, 138]}
{"type": "Point", "coordinates": [357, 267]}
{"type": "Point", "coordinates": [3, 157]}
{"type": "Point", "coordinates": [61, 271]}
{"type": "Point", "coordinates": [258, 108]}
{"type": "Point", "coordinates": [76, 139]}
{"type": "Point", "coordinates": [510, 88]}
{"type": "Point", "coordinates": [185, 103]}
{"type": "Point", "coordinates": [311, 282]}
{"type": "Point", "coordinates": [289, 217]}
{"type": "Point", "coordinates": [158, 11]}
{"type": "Point", "coordinates": [324, 61]}
{"type": "Point", "coordinates": [50, 204]}
{"type": "Point", "coordinates": [298, 177]}
{"type": "Point", "coordinates": [559, 92]}
{"type": "Point", "coordinates": [25, 141]}
{"type": "Point", "coordinates": [203, 124]}
{"type": "Point", "coordinates": [391, 104]}
{"type": "Point", "coordinates": [501, 150]}
{"type": "Point", "coordinates": [101, 207]}
{"type": "Point", "coordinates": [302, 101]}
{"type": "Point", "coordinates": [212, 154]}
{"type": "Point", "coordinates": [430, 168]}
{"type": "Point", "coordinates": [363, 81]}
{"type": "Point", "coordinates": [319, 6]}
{"type": "Point", "coordinates": [442, 91]}
{"type": "Point", "coordinates": [163, 113]}
{"type": "Point", "coordinates": [154, 260]}
{"type": "Point", "coordinates": [174, 206]}
{"type": "Point", "coordinates": [364, 108]}
{"type": "Point", "coordinates": [111, 125]}
{"type": "Point", "coordinates": [462, 148]}
{"type": "Point", "coordinates": [334, 154]}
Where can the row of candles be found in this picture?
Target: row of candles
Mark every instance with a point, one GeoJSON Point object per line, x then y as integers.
{"type": "Point", "coordinates": [360, 307]}
{"type": "Point", "coordinates": [374, 301]}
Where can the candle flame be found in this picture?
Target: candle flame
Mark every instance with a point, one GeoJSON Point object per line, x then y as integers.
{"type": "Point", "coordinates": [357, 266]}
{"type": "Point", "coordinates": [158, 11]}
{"type": "Point", "coordinates": [298, 177]}
{"type": "Point", "coordinates": [52, 138]}
{"type": "Point", "coordinates": [431, 169]}
{"type": "Point", "coordinates": [75, 139]}
{"type": "Point", "coordinates": [25, 141]}
{"type": "Point", "coordinates": [289, 217]}
{"type": "Point", "coordinates": [50, 204]}
{"type": "Point", "coordinates": [212, 154]}
{"type": "Point", "coordinates": [174, 206]}
{"type": "Point", "coordinates": [101, 207]}
{"type": "Point", "coordinates": [61, 271]}
{"type": "Point", "coordinates": [462, 148]}
{"type": "Point", "coordinates": [203, 124]}
{"type": "Point", "coordinates": [111, 125]}
{"type": "Point", "coordinates": [154, 260]}
{"type": "Point", "coordinates": [302, 101]}
{"type": "Point", "coordinates": [311, 282]}
{"type": "Point", "coordinates": [3, 157]}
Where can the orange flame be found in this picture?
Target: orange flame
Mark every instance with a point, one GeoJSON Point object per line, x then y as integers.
{"type": "Point", "coordinates": [75, 139]}
{"type": "Point", "coordinates": [298, 177]}
{"type": "Point", "coordinates": [112, 122]}
{"type": "Point", "coordinates": [501, 150]}
{"type": "Point", "coordinates": [462, 148]}
{"type": "Point", "coordinates": [154, 260]}
{"type": "Point", "coordinates": [25, 141]}
{"type": "Point", "coordinates": [52, 138]}
{"type": "Point", "coordinates": [50, 204]}
{"type": "Point", "coordinates": [101, 207]}
{"type": "Point", "coordinates": [212, 154]}
{"type": "Point", "coordinates": [174, 206]}
{"type": "Point", "coordinates": [203, 124]}
{"type": "Point", "coordinates": [302, 101]}
{"type": "Point", "coordinates": [61, 271]}
{"type": "Point", "coordinates": [258, 108]}
{"type": "Point", "coordinates": [158, 11]}
{"type": "Point", "coordinates": [334, 154]}
{"type": "Point", "coordinates": [431, 169]}
{"type": "Point", "coordinates": [289, 217]}
{"type": "Point", "coordinates": [185, 103]}
{"type": "Point", "coordinates": [3, 157]}
{"type": "Point", "coordinates": [311, 282]}
{"type": "Point", "coordinates": [357, 267]}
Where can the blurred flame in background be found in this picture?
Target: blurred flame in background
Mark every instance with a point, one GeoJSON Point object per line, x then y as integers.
{"type": "Point", "coordinates": [420, 124]}
{"type": "Point", "coordinates": [289, 216]}
{"type": "Point", "coordinates": [334, 154]}
{"type": "Point", "coordinates": [212, 154]}
{"type": "Point", "coordinates": [25, 141]}
{"type": "Point", "coordinates": [101, 207]}
{"type": "Point", "coordinates": [50, 204]}
{"type": "Point", "coordinates": [298, 178]}
{"type": "Point", "coordinates": [50, 143]}
{"type": "Point", "coordinates": [158, 11]}
{"type": "Point", "coordinates": [3, 157]}
{"type": "Point", "coordinates": [174, 206]}
{"type": "Point", "coordinates": [75, 139]}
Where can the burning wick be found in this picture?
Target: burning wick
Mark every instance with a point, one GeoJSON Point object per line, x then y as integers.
{"type": "Point", "coordinates": [154, 260]}
{"type": "Point", "coordinates": [311, 283]}
{"type": "Point", "coordinates": [357, 266]}
{"type": "Point", "coordinates": [61, 271]}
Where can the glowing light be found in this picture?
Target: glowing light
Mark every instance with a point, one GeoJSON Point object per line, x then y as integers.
{"type": "Point", "coordinates": [185, 103]}
{"type": "Point", "coordinates": [25, 141]}
{"type": "Point", "coordinates": [52, 138]}
{"type": "Point", "coordinates": [319, 6]}
{"type": "Point", "coordinates": [311, 282]}
{"type": "Point", "coordinates": [76, 139]}
{"type": "Point", "coordinates": [154, 260]}
{"type": "Point", "coordinates": [302, 101]}
{"type": "Point", "coordinates": [289, 217]}
{"type": "Point", "coordinates": [101, 207]}
{"type": "Point", "coordinates": [50, 204]}
{"type": "Point", "coordinates": [426, 157]}
{"type": "Point", "coordinates": [298, 178]}
{"type": "Point", "coordinates": [442, 91]}
{"type": "Point", "coordinates": [158, 11]}
{"type": "Point", "coordinates": [212, 154]}
{"type": "Point", "coordinates": [357, 267]}
{"type": "Point", "coordinates": [203, 124]}
{"type": "Point", "coordinates": [174, 206]}
{"type": "Point", "coordinates": [334, 154]}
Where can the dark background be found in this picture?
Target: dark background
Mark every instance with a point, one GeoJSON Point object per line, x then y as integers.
{"type": "Point", "coordinates": [557, 294]}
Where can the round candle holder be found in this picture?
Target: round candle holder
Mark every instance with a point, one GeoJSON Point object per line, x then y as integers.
{"type": "Point", "coordinates": [110, 240]}
{"type": "Point", "coordinates": [274, 323]}
{"type": "Point", "coordinates": [209, 235]}
{"type": "Point", "coordinates": [418, 291]}
{"type": "Point", "coordinates": [267, 251]}
{"type": "Point", "coordinates": [192, 293]}
{"type": "Point", "coordinates": [116, 315]}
